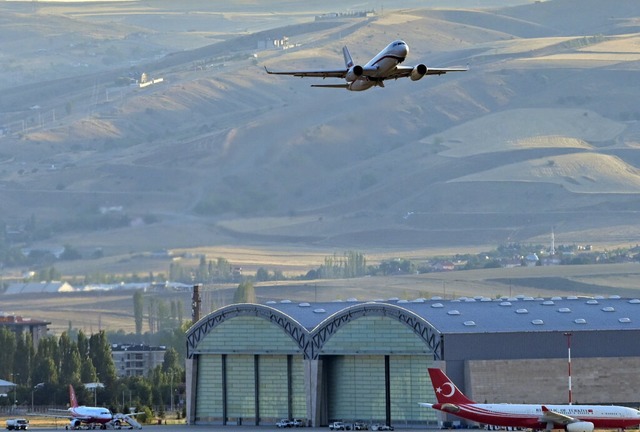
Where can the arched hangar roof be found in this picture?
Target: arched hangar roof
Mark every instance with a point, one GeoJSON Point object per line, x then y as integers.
{"type": "Point", "coordinates": [311, 329]}
{"type": "Point", "coordinates": [310, 325]}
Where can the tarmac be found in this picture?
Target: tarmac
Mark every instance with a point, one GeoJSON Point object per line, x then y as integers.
{"type": "Point", "coordinates": [220, 428]}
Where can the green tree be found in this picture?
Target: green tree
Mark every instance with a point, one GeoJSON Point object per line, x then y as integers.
{"type": "Point", "coordinates": [83, 345]}
{"type": "Point", "coordinates": [138, 310]}
{"type": "Point", "coordinates": [180, 310]}
{"type": "Point", "coordinates": [151, 315]}
{"type": "Point", "coordinates": [164, 317]}
{"type": "Point", "coordinates": [174, 313]}
{"type": "Point", "coordinates": [245, 293]}
{"type": "Point", "coordinates": [223, 269]}
{"type": "Point", "coordinates": [23, 359]}
{"type": "Point", "coordinates": [45, 361]}
{"type": "Point", "coordinates": [70, 363]}
{"type": "Point", "coordinates": [262, 274]}
{"type": "Point", "coordinates": [70, 253]}
{"type": "Point", "coordinates": [100, 353]}
{"type": "Point", "coordinates": [87, 371]}
{"type": "Point", "coordinates": [171, 361]}
{"type": "Point", "coordinates": [7, 352]}
{"type": "Point", "coordinates": [203, 272]}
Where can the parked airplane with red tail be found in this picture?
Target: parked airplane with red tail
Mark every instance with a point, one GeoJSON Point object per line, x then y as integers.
{"type": "Point", "coordinates": [572, 418]}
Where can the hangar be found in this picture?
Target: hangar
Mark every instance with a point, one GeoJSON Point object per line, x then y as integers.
{"type": "Point", "coordinates": [353, 360]}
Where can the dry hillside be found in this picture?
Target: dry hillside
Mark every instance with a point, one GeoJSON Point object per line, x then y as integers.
{"type": "Point", "coordinates": [542, 131]}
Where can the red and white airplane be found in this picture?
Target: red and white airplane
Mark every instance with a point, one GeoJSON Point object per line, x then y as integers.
{"type": "Point", "coordinates": [93, 417]}
{"type": "Point", "coordinates": [572, 418]}
{"type": "Point", "coordinates": [384, 66]}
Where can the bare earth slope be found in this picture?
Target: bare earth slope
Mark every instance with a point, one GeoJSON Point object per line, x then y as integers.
{"type": "Point", "coordinates": [541, 131]}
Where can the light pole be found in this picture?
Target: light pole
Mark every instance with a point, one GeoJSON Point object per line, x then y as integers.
{"type": "Point", "coordinates": [35, 389]}
{"type": "Point", "coordinates": [95, 390]}
{"type": "Point", "coordinates": [171, 390]}
{"type": "Point", "coordinates": [568, 335]}
{"type": "Point", "coordinates": [15, 388]}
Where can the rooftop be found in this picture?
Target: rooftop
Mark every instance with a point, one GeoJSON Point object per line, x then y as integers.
{"type": "Point", "coordinates": [483, 315]}
{"type": "Point", "coordinates": [137, 347]}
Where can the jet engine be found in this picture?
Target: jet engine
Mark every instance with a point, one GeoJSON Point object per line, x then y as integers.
{"type": "Point", "coordinates": [418, 72]}
{"type": "Point", "coordinates": [581, 426]}
{"type": "Point", "coordinates": [448, 407]}
{"type": "Point", "coordinates": [354, 73]}
{"type": "Point", "coordinates": [74, 424]}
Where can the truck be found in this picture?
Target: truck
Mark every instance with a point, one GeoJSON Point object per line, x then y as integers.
{"type": "Point", "coordinates": [17, 423]}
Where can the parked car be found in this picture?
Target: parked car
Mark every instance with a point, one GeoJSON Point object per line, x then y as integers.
{"type": "Point", "coordinates": [17, 423]}
{"type": "Point", "coordinates": [338, 425]}
{"type": "Point", "coordinates": [284, 423]}
{"type": "Point", "coordinates": [297, 423]}
{"type": "Point", "coordinates": [381, 427]}
{"type": "Point", "coordinates": [360, 425]}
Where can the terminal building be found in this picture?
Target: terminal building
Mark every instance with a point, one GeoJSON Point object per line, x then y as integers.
{"type": "Point", "coordinates": [352, 360]}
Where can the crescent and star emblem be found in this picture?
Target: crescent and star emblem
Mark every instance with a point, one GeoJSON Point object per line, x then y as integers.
{"type": "Point", "coordinates": [452, 389]}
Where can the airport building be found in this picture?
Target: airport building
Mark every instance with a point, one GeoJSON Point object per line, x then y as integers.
{"type": "Point", "coordinates": [137, 359]}
{"type": "Point", "coordinates": [353, 360]}
{"type": "Point", "coordinates": [21, 325]}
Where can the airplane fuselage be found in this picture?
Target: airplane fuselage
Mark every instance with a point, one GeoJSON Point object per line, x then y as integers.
{"type": "Point", "coordinates": [91, 414]}
{"type": "Point", "coordinates": [529, 416]}
{"type": "Point", "coordinates": [381, 65]}
{"type": "Point", "coordinates": [572, 418]}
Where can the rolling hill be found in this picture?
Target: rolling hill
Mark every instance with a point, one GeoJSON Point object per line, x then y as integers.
{"type": "Point", "coordinates": [541, 132]}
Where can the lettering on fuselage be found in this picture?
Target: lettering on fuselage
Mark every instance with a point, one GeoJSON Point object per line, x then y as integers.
{"type": "Point", "coordinates": [570, 411]}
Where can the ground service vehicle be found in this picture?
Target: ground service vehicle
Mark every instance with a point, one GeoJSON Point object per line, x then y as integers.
{"type": "Point", "coordinates": [17, 424]}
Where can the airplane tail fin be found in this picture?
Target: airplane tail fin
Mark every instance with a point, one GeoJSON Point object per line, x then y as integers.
{"type": "Point", "coordinates": [348, 61]}
{"type": "Point", "coordinates": [72, 397]}
{"type": "Point", "coordinates": [446, 391]}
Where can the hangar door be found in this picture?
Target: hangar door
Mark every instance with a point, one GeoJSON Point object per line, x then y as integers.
{"type": "Point", "coordinates": [249, 372]}
{"type": "Point", "coordinates": [375, 369]}
{"type": "Point", "coordinates": [360, 388]}
{"type": "Point", "coordinates": [249, 389]}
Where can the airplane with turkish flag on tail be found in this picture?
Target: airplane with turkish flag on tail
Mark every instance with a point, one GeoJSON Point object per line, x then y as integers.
{"type": "Point", "coordinates": [572, 418]}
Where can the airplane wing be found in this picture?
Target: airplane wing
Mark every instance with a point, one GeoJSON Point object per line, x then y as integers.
{"type": "Point", "coordinates": [556, 417]}
{"type": "Point", "coordinates": [68, 417]}
{"type": "Point", "coordinates": [341, 73]}
{"type": "Point", "coordinates": [405, 71]}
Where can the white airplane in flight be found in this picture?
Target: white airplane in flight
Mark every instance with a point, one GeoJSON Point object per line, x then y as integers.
{"type": "Point", "coordinates": [572, 418]}
{"type": "Point", "coordinates": [92, 417]}
{"type": "Point", "coordinates": [384, 66]}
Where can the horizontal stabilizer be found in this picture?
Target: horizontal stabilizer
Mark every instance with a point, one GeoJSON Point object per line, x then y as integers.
{"type": "Point", "coordinates": [442, 71]}
{"type": "Point", "coordinates": [343, 86]}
